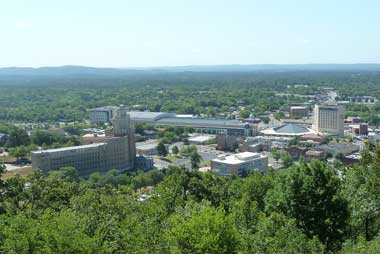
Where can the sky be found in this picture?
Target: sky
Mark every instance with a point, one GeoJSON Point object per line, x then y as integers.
{"type": "Point", "coordinates": [146, 33]}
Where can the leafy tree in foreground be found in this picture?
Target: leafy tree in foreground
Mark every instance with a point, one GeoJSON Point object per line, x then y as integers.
{"type": "Point", "coordinates": [309, 193]}
{"type": "Point", "coordinates": [362, 190]}
{"type": "Point", "coordinates": [362, 247]}
{"type": "Point", "coordinates": [279, 234]}
{"type": "Point", "coordinates": [203, 229]}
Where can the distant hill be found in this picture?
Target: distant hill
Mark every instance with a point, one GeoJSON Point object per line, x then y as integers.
{"type": "Point", "coordinates": [71, 70]}
{"type": "Point", "coordinates": [65, 70]}
{"type": "Point", "coordinates": [273, 67]}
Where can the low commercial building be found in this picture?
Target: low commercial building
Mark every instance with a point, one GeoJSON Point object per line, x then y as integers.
{"type": "Point", "coordinates": [201, 139]}
{"type": "Point", "coordinates": [335, 148]}
{"type": "Point", "coordinates": [354, 119]}
{"type": "Point", "coordinates": [298, 111]}
{"type": "Point", "coordinates": [351, 159]}
{"type": "Point", "coordinates": [93, 138]}
{"type": "Point", "coordinates": [296, 152]}
{"type": "Point", "coordinates": [144, 162]}
{"type": "Point", "coordinates": [256, 144]}
{"type": "Point", "coordinates": [372, 136]}
{"type": "Point", "coordinates": [239, 164]}
{"type": "Point", "coordinates": [147, 149]}
{"type": "Point", "coordinates": [102, 114]}
{"type": "Point", "coordinates": [360, 129]}
{"type": "Point", "coordinates": [313, 137]}
{"type": "Point", "coordinates": [363, 99]}
{"type": "Point", "coordinates": [226, 142]}
{"type": "Point", "coordinates": [314, 155]}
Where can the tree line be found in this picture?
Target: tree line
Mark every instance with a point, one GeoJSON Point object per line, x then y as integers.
{"type": "Point", "coordinates": [307, 208]}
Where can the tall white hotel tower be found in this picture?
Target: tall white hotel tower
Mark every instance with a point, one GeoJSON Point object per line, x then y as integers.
{"type": "Point", "coordinates": [329, 119]}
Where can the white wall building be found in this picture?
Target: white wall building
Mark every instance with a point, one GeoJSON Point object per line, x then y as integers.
{"type": "Point", "coordinates": [117, 151]}
{"type": "Point", "coordinates": [329, 119]}
{"type": "Point", "coordinates": [239, 164]}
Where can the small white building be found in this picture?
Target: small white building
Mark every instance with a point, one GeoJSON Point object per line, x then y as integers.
{"type": "Point", "coordinates": [146, 149]}
{"type": "Point", "coordinates": [239, 164]}
{"type": "Point", "coordinates": [201, 139]}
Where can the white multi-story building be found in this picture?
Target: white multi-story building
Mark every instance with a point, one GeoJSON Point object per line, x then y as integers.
{"type": "Point", "coordinates": [117, 151]}
{"type": "Point", "coordinates": [239, 164]}
{"type": "Point", "coordinates": [329, 119]}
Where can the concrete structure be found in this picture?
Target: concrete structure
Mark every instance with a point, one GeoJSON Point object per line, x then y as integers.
{"type": "Point", "coordinates": [360, 129]}
{"type": "Point", "coordinates": [239, 164]}
{"type": "Point", "coordinates": [256, 144]}
{"type": "Point", "coordinates": [342, 147]}
{"type": "Point", "coordinates": [373, 136]}
{"type": "Point", "coordinates": [226, 142]}
{"type": "Point", "coordinates": [313, 137]}
{"type": "Point", "coordinates": [144, 162]}
{"type": "Point", "coordinates": [210, 126]}
{"type": "Point", "coordinates": [298, 111]}
{"type": "Point", "coordinates": [314, 155]}
{"type": "Point", "coordinates": [363, 99]}
{"type": "Point", "coordinates": [351, 159]}
{"type": "Point", "coordinates": [93, 138]}
{"type": "Point", "coordinates": [354, 119]}
{"type": "Point", "coordinates": [116, 152]}
{"type": "Point", "coordinates": [287, 130]}
{"type": "Point", "coordinates": [329, 119]}
{"type": "Point", "coordinates": [202, 125]}
{"type": "Point", "coordinates": [102, 115]}
{"type": "Point", "coordinates": [146, 148]}
{"type": "Point", "coordinates": [296, 152]}
{"type": "Point", "coordinates": [201, 139]}
{"type": "Point", "coordinates": [149, 117]}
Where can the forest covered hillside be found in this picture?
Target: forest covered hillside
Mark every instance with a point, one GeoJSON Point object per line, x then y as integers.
{"type": "Point", "coordinates": [308, 208]}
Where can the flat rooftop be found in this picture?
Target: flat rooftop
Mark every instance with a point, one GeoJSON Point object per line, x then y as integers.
{"type": "Point", "coordinates": [149, 116]}
{"type": "Point", "coordinates": [239, 158]}
{"type": "Point", "coordinates": [202, 122]}
{"type": "Point", "coordinates": [201, 138]}
{"type": "Point", "coordinates": [146, 146]}
{"type": "Point", "coordinates": [71, 148]}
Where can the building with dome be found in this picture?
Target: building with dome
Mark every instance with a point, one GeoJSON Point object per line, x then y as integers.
{"type": "Point", "coordinates": [288, 130]}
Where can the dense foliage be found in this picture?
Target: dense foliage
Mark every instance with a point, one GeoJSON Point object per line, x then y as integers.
{"type": "Point", "coordinates": [58, 98]}
{"type": "Point", "coordinates": [308, 208]}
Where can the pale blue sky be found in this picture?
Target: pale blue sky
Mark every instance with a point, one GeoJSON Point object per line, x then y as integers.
{"type": "Point", "coordinates": [126, 33]}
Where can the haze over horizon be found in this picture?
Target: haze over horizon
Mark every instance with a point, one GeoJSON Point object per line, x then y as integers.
{"type": "Point", "coordinates": [127, 34]}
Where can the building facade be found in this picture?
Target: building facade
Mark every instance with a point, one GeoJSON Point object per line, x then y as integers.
{"type": "Point", "coordinates": [201, 125]}
{"type": "Point", "coordinates": [239, 164]}
{"type": "Point", "coordinates": [226, 142]}
{"type": "Point", "coordinates": [102, 115]}
{"type": "Point", "coordinates": [116, 152]}
{"type": "Point", "coordinates": [329, 119]}
{"type": "Point", "coordinates": [298, 111]}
